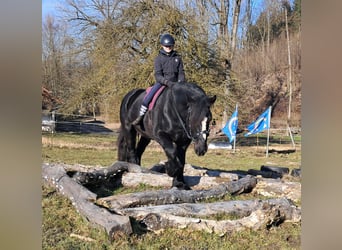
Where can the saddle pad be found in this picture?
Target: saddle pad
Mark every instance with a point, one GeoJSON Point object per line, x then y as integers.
{"type": "Point", "coordinates": [155, 97]}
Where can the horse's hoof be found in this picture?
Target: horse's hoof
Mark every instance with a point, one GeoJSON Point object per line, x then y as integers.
{"type": "Point", "coordinates": [186, 187]}
{"type": "Point", "coordinates": [160, 168]}
{"type": "Point", "coordinates": [180, 185]}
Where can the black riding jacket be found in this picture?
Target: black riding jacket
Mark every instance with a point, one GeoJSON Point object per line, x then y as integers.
{"type": "Point", "coordinates": [168, 68]}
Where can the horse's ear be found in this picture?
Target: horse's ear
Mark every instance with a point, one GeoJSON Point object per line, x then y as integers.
{"type": "Point", "coordinates": [212, 99]}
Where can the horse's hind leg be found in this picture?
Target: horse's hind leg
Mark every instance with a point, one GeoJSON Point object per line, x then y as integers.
{"type": "Point", "coordinates": [142, 144]}
{"type": "Point", "coordinates": [122, 147]}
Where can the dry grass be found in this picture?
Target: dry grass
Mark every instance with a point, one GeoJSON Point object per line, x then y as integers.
{"type": "Point", "coordinates": [61, 221]}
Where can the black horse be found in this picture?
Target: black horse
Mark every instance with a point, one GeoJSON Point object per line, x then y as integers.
{"type": "Point", "coordinates": [181, 115]}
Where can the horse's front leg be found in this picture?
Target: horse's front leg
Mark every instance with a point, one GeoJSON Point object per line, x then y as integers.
{"type": "Point", "coordinates": [176, 159]}
{"type": "Point", "coordinates": [142, 144]}
{"type": "Point", "coordinates": [178, 180]}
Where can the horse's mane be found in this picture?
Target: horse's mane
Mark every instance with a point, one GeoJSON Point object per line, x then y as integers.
{"type": "Point", "coordinates": [193, 86]}
{"type": "Point", "coordinates": [193, 90]}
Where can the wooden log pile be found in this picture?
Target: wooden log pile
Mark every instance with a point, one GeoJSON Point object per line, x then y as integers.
{"type": "Point", "coordinates": [84, 201]}
{"type": "Point", "coordinates": [170, 207]}
{"type": "Point", "coordinates": [175, 196]}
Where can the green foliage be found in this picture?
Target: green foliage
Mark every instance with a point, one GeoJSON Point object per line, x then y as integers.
{"type": "Point", "coordinates": [111, 47]}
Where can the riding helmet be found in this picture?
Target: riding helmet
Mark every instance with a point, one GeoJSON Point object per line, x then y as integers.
{"type": "Point", "coordinates": [167, 40]}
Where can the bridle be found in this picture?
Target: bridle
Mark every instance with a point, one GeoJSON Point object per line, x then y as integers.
{"type": "Point", "coordinates": [197, 135]}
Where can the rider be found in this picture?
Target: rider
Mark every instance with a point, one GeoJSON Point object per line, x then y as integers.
{"type": "Point", "coordinates": [168, 69]}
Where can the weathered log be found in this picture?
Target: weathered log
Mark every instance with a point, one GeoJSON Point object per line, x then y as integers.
{"type": "Point", "coordinates": [265, 174]}
{"type": "Point", "coordinates": [83, 200]}
{"type": "Point", "coordinates": [159, 214]}
{"type": "Point", "coordinates": [153, 180]}
{"type": "Point", "coordinates": [226, 175]}
{"type": "Point", "coordinates": [278, 188]}
{"type": "Point", "coordinates": [196, 177]}
{"type": "Point", "coordinates": [241, 208]}
{"type": "Point", "coordinates": [78, 168]}
{"type": "Point", "coordinates": [175, 196]}
{"type": "Point", "coordinates": [265, 214]}
{"type": "Point", "coordinates": [280, 170]}
{"type": "Point", "coordinates": [296, 172]}
{"type": "Point", "coordinates": [257, 219]}
{"type": "Point", "coordinates": [98, 175]}
{"type": "Point", "coordinates": [190, 170]}
{"type": "Point", "coordinates": [163, 180]}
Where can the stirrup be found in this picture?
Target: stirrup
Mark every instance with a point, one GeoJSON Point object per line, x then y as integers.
{"type": "Point", "coordinates": [137, 121]}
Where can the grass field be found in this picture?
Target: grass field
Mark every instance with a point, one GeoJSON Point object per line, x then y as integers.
{"type": "Point", "coordinates": [64, 228]}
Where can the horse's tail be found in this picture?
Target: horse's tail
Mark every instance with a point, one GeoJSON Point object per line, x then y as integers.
{"type": "Point", "coordinates": [126, 133]}
{"type": "Point", "coordinates": [122, 146]}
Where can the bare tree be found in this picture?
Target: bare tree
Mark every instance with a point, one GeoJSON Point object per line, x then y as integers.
{"type": "Point", "coordinates": [286, 6]}
{"type": "Point", "coordinates": [113, 43]}
{"type": "Point", "coordinates": [236, 15]}
{"type": "Point", "coordinates": [51, 55]}
{"type": "Point", "coordinates": [55, 60]}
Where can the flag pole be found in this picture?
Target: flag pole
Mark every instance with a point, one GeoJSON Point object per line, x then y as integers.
{"type": "Point", "coordinates": [290, 133]}
{"type": "Point", "coordinates": [234, 145]}
{"type": "Point", "coordinates": [268, 130]}
{"type": "Point", "coordinates": [236, 106]}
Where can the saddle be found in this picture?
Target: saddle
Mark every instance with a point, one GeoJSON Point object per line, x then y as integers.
{"type": "Point", "coordinates": [155, 97]}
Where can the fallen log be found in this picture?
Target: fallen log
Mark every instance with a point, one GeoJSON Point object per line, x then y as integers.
{"type": "Point", "coordinates": [278, 188]}
{"type": "Point", "coordinates": [240, 208]}
{"type": "Point", "coordinates": [163, 180]}
{"type": "Point", "coordinates": [296, 172]}
{"type": "Point", "coordinates": [83, 200]}
{"type": "Point", "coordinates": [190, 170]}
{"type": "Point", "coordinates": [265, 174]}
{"type": "Point", "coordinates": [153, 180]}
{"type": "Point", "coordinates": [133, 175]}
{"type": "Point", "coordinates": [267, 214]}
{"type": "Point", "coordinates": [71, 169]}
{"type": "Point", "coordinates": [173, 207]}
{"type": "Point", "coordinates": [279, 170]}
{"type": "Point", "coordinates": [175, 196]}
{"type": "Point", "coordinates": [99, 175]}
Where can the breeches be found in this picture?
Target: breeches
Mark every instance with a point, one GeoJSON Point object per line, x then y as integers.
{"type": "Point", "coordinates": [148, 97]}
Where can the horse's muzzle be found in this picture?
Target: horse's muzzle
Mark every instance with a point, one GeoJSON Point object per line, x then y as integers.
{"type": "Point", "coordinates": [200, 147]}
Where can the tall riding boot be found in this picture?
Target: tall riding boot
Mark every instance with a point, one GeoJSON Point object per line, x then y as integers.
{"type": "Point", "coordinates": [143, 110]}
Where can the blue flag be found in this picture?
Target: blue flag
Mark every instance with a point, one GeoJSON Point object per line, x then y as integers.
{"type": "Point", "coordinates": [231, 126]}
{"type": "Point", "coordinates": [262, 123]}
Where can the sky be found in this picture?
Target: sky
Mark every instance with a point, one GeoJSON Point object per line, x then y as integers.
{"type": "Point", "coordinates": [48, 7]}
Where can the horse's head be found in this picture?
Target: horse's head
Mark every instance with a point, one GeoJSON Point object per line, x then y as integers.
{"type": "Point", "coordinates": [199, 121]}
{"type": "Point", "coordinates": [194, 115]}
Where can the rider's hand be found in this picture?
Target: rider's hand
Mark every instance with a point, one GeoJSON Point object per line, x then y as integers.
{"type": "Point", "coordinates": [169, 83]}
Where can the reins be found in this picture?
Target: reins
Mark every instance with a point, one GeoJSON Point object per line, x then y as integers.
{"type": "Point", "coordinates": [188, 133]}
{"type": "Point", "coordinates": [180, 118]}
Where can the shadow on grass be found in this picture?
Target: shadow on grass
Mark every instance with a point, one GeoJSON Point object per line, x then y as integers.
{"type": "Point", "coordinates": [82, 127]}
